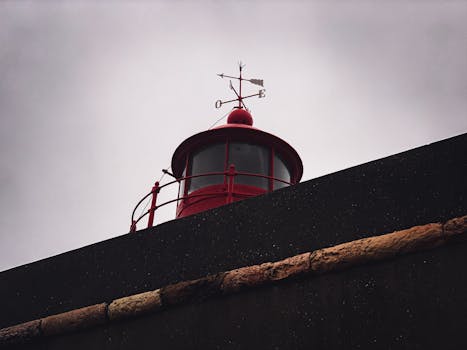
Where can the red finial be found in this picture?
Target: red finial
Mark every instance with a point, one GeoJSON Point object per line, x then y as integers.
{"type": "Point", "coordinates": [240, 116]}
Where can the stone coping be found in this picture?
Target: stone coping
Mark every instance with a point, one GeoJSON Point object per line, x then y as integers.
{"type": "Point", "coordinates": [304, 265]}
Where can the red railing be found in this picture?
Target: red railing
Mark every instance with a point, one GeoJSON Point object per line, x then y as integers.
{"type": "Point", "coordinates": [230, 174]}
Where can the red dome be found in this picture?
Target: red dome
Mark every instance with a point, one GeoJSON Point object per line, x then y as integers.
{"type": "Point", "coordinates": [240, 116]}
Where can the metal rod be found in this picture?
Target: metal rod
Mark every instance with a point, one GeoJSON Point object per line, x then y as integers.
{"type": "Point", "coordinates": [155, 191]}
{"type": "Point", "coordinates": [244, 97]}
{"type": "Point", "coordinates": [240, 102]}
{"type": "Point", "coordinates": [165, 171]}
{"type": "Point", "coordinates": [228, 76]}
{"type": "Point", "coordinates": [231, 173]}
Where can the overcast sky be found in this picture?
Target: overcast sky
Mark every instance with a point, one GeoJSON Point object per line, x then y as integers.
{"type": "Point", "coordinates": [94, 98]}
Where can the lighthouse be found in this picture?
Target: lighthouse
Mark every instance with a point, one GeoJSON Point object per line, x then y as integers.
{"type": "Point", "coordinates": [228, 163]}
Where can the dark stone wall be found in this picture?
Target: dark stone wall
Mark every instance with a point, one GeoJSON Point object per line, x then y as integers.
{"type": "Point", "coordinates": [412, 302]}
{"type": "Point", "coordinates": [423, 185]}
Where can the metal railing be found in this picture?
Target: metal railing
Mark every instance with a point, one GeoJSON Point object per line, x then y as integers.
{"type": "Point", "coordinates": [229, 174]}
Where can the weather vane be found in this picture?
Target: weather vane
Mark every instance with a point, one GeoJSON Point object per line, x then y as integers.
{"type": "Point", "coordinates": [240, 98]}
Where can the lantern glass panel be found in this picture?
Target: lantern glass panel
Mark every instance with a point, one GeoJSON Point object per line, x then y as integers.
{"type": "Point", "coordinates": [208, 160]}
{"type": "Point", "coordinates": [252, 159]}
{"type": "Point", "coordinates": [280, 172]}
{"type": "Point", "coordinates": [181, 186]}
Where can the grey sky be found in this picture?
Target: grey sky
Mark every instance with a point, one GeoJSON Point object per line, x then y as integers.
{"type": "Point", "coordinates": [94, 98]}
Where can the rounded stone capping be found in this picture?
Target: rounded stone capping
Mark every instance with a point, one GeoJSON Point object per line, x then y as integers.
{"type": "Point", "coordinates": [201, 288]}
{"type": "Point", "coordinates": [256, 275]}
{"type": "Point", "coordinates": [289, 267]}
{"type": "Point", "coordinates": [455, 227]}
{"type": "Point", "coordinates": [75, 320]}
{"type": "Point", "coordinates": [134, 305]}
{"type": "Point", "coordinates": [248, 276]}
{"type": "Point", "coordinates": [20, 333]}
{"type": "Point", "coordinates": [381, 247]}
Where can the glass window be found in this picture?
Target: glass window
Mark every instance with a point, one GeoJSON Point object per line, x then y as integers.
{"type": "Point", "coordinates": [208, 160]}
{"type": "Point", "coordinates": [250, 159]}
{"type": "Point", "coordinates": [181, 186]}
{"type": "Point", "coordinates": [280, 172]}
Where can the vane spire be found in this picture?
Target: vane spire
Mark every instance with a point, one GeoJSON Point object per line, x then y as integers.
{"type": "Point", "coordinates": [261, 93]}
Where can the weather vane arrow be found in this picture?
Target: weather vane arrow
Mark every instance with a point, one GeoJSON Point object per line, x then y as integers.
{"type": "Point", "coordinates": [261, 93]}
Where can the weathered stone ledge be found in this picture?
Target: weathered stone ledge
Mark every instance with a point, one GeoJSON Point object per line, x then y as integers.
{"type": "Point", "coordinates": [320, 261]}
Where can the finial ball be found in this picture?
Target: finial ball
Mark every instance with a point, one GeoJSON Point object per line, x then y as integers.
{"type": "Point", "coordinates": [240, 116]}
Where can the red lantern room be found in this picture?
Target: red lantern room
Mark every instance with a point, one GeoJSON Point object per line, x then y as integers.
{"type": "Point", "coordinates": [232, 162]}
{"type": "Point", "coordinates": [228, 163]}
